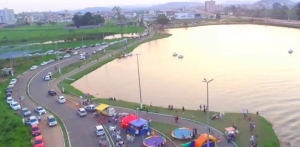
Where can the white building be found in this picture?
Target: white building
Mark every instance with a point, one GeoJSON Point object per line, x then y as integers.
{"type": "Point", "coordinates": [149, 17]}
{"type": "Point", "coordinates": [184, 16]}
{"type": "Point", "coordinates": [7, 16]}
{"type": "Point", "coordinates": [210, 6]}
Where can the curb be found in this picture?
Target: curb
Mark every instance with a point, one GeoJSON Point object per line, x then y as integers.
{"type": "Point", "coordinates": [32, 99]}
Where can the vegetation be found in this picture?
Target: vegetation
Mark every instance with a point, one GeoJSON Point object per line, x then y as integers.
{"type": "Point", "coordinates": [13, 132]}
{"type": "Point", "coordinates": [162, 20]}
{"type": "Point", "coordinates": [87, 19]}
{"type": "Point", "coordinates": [278, 11]}
{"type": "Point", "coordinates": [49, 32]}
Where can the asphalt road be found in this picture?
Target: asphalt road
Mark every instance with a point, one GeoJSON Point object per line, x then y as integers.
{"type": "Point", "coordinates": [49, 133]}
{"type": "Point", "coordinates": [81, 130]}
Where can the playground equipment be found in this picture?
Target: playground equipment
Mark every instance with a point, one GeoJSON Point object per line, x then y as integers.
{"type": "Point", "coordinates": [201, 141]}
{"type": "Point", "coordinates": [153, 141]}
{"type": "Point", "coordinates": [182, 133]}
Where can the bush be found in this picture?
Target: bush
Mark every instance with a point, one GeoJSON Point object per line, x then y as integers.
{"type": "Point", "coordinates": [13, 133]}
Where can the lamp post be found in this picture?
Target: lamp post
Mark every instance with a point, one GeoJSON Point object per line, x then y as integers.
{"type": "Point", "coordinates": [138, 65]}
{"type": "Point", "coordinates": [207, 111]}
{"type": "Point", "coordinates": [59, 69]}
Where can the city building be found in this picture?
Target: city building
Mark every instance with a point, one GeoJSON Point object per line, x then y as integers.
{"type": "Point", "coordinates": [184, 16]}
{"type": "Point", "coordinates": [7, 16]}
{"type": "Point", "coordinates": [29, 19]}
{"type": "Point", "coordinates": [211, 6]}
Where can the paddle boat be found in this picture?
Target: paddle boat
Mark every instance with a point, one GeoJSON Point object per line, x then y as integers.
{"type": "Point", "coordinates": [291, 51]}
{"type": "Point", "coordinates": [175, 54]}
{"type": "Point", "coordinates": [129, 54]}
{"type": "Point", "coordinates": [180, 56]}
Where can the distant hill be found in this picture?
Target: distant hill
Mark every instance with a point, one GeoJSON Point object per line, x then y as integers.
{"type": "Point", "coordinates": [175, 5]}
{"type": "Point", "coordinates": [271, 2]}
{"type": "Point", "coordinates": [236, 2]}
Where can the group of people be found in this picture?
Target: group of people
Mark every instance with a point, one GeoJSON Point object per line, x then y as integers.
{"type": "Point", "coordinates": [170, 107]}
{"type": "Point", "coordinates": [204, 108]}
{"type": "Point", "coordinates": [111, 98]}
{"type": "Point", "coordinates": [86, 102]}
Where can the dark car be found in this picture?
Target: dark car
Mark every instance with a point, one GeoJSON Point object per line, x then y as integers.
{"type": "Point", "coordinates": [8, 94]}
{"type": "Point", "coordinates": [9, 90]}
{"type": "Point", "coordinates": [52, 92]}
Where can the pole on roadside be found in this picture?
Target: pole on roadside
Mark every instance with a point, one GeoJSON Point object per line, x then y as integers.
{"type": "Point", "coordinates": [207, 111]}
{"type": "Point", "coordinates": [59, 70]}
{"type": "Point", "coordinates": [138, 70]}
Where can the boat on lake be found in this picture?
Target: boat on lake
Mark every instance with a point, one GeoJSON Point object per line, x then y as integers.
{"type": "Point", "coordinates": [130, 54]}
{"type": "Point", "coordinates": [175, 54]}
{"type": "Point", "coordinates": [291, 51]}
{"type": "Point", "coordinates": [180, 56]}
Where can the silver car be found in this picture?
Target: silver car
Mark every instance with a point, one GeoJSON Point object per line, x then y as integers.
{"type": "Point", "coordinates": [51, 121]}
{"type": "Point", "coordinates": [26, 112]}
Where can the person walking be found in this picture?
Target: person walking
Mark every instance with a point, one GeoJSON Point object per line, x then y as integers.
{"type": "Point", "coordinates": [39, 117]}
{"type": "Point", "coordinates": [200, 107]}
{"type": "Point", "coordinates": [183, 110]}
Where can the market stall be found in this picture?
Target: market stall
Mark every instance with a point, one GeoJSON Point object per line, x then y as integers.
{"type": "Point", "coordinates": [105, 110]}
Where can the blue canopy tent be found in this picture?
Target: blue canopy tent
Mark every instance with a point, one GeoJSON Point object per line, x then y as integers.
{"type": "Point", "coordinates": [139, 127]}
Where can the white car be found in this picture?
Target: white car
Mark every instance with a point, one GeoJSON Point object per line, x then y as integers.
{"type": "Point", "coordinates": [82, 58]}
{"type": "Point", "coordinates": [99, 130]}
{"type": "Point", "coordinates": [77, 48]}
{"type": "Point", "coordinates": [32, 120]}
{"type": "Point", "coordinates": [51, 60]}
{"type": "Point", "coordinates": [40, 110]}
{"type": "Point", "coordinates": [75, 53]}
{"type": "Point", "coordinates": [33, 67]}
{"type": "Point", "coordinates": [67, 56]}
{"type": "Point", "coordinates": [9, 100]}
{"type": "Point", "coordinates": [61, 99]}
{"type": "Point", "coordinates": [84, 46]}
{"type": "Point", "coordinates": [44, 63]}
{"type": "Point", "coordinates": [13, 81]}
{"type": "Point", "coordinates": [47, 78]}
{"type": "Point", "coordinates": [11, 86]}
{"type": "Point", "coordinates": [81, 112]}
{"type": "Point", "coordinates": [15, 106]}
{"type": "Point", "coordinates": [49, 73]}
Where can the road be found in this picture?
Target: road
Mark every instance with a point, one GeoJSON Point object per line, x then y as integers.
{"type": "Point", "coordinates": [81, 130]}
{"type": "Point", "coordinates": [53, 135]}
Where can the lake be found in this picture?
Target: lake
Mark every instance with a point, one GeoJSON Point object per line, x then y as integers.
{"type": "Point", "coordinates": [250, 65]}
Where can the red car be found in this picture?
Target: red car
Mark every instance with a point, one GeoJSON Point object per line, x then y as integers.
{"type": "Point", "coordinates": [35, 130]}
{"type": "Point", "coordinates": [39, 141]}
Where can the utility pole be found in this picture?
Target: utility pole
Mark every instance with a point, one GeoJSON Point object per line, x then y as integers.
{"type": "Point", "coordinates": [138, 66]}
{"type": "Point", "coordinates": [207, 111]}
{"type": "Point", "coordinates": [59, 70]}
{"type": "Point", "coordinates": [82, 39]}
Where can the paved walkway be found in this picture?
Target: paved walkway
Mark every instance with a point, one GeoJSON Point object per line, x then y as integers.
{"type": "Point", "coordinates": [154, 117]}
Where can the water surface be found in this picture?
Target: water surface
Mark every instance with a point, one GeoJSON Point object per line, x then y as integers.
{"type": "Point", "coordinates": [250, 66]}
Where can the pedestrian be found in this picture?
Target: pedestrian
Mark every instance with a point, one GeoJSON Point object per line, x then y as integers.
{"type": "Point", "coordinates": [218, 139]}
{"type": "Point", "coordinates": [147, 110]}
{"type": "Point", "coordinates": [200, 107]}
{"type": "Point", "coordinates": [183, 110]}
{"type": "Point", "coordinates": [176, 119]}
{"type": "Point", "coordinates": [39, 117]}
{"type": "Point", "coordinates": [150, 104]}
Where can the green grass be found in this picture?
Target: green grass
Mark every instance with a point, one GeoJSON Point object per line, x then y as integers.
{"type": "Point", "coordinates": [47, 32]}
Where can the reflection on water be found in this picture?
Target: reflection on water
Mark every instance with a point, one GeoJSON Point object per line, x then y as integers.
{"type": "Point", "coordinates": [250, 65]}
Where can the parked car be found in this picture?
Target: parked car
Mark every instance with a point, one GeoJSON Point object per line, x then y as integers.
{"type": "Point", "coordinates": [32, 120]}
{"type": "Point", "coordinates": [75, 53]}
{"type": "Point", "coordinates": [35, 130]}
{"type": "Point", "coordinates": [38, 141]}
{"type": "Point", "coordinates": [67, 56]}
{"type": "Point", "coordinates": [81, 112]}
{"type": "Point", "coordinates": [82, 58]}
{"type": "Point", "coordinates": [51, 121]}
{"type": "Point", "coordinates": [9, 89]}
{"type": "Point", "coordinates": [15, 106]}
{"type": "Point", "coordinates": [51, 92]}
{"type": "Point", "coordinates": [40, 110]}
{"type": "Point", "coordinates": [13, 81]}
{"type": "Point", "coordinates": [84, 46]}
{"type": "Point", "coordinates": [51, 60]}
{"type": "Point", "coordinates": [99, 130]}
{"type": "Point", "coordinates": [8, 94]}
{"type": "Point", "coordinates": [61, 99]}
{"type": "Point", "coordinates": [44, 63]}
{"type": "Point", "coordinates": [9, 100]}
{"type": "Point", "coordinates": [26, 112]}
{"type": "Point", "coordinates": [90, 108]}
{"type": "Point", "coordinates": [11, 86]}
{"type": "Point", "coordinates": [33, 67]}
{"type": "Point", "coordinates": [77, 48]}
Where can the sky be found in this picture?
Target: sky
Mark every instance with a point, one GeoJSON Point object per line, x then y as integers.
{"type": "Point", "coordinates": [56, 5]}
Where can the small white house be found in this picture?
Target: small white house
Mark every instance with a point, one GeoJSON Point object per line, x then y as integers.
{"type": "Point", "coordinates": [184, 16]}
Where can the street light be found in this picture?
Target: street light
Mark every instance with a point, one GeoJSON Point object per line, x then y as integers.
{"type": "Point", "coordinates": [207, 111]}
{"type": "Point", "coordinates": [138, 65]}
{"type": "Point", "coordinates": [59, 68]}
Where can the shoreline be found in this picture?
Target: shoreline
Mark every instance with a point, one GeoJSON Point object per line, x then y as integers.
{"type": "Point", "coordinates": [84, 72]}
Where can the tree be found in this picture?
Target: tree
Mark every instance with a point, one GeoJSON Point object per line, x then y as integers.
{"type": "Point", "coordinates": [276, 6]}
{"type": "Point", "coordinates": [298, 10]}
{"type": "Point", "coordinates": [53, 23]}
{"type": "Point", "coordinates": [162, 19]}
{"type": "Point", "coordinates": [121, 18]}
{"type": "Point", "coordinates": [39, 24]}
{"type": "Point", "coordinates": [76, 20]}
{"type": "Point", "coordinates": [87, 19]}
{"type": "Point", "coordinates": [218, 16]}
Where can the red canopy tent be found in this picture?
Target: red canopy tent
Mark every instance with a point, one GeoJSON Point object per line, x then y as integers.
{"type": "Point", "coordinates": [127, 120]}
